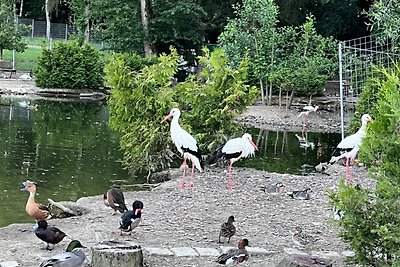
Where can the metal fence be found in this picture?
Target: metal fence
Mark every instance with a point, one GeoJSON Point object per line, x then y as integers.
{"type": "Point", "coordinates": [356, 59]}
{"type": "Point", "coordinates": [38, 29]}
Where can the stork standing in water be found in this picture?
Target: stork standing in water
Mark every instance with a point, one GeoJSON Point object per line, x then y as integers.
{"type": "Point", "coordinates": [349, 146]}
{"type": "Point", "coordinates": [186, 145]}
{"type": "Point", "coordinates": [233, 150]}
{"type": "Point", "coordinates": [305, 111]}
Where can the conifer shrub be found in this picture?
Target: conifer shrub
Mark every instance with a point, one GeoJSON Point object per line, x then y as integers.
{"type": "Point", "coordinates": [69, 65]}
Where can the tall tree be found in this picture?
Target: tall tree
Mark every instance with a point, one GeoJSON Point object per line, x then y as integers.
{"type": "Point", "coordinates": [10, 36]}
{"type": "Point", "coordinates": [146, 14]}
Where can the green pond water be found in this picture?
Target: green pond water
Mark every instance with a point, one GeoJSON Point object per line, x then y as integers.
{"type": "Point", "coordinates": [69, 150]}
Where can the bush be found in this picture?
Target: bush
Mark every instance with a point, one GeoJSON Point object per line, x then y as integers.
{"type": "Point", "coordinates": [371, 223]}
{"type": "Point", "coordinates": [69, 65]}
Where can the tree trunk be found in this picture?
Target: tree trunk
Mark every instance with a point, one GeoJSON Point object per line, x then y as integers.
{"type": "Point", "coordinates": [21, 8]}
{"type": "Point", "coordinates": [117, 254]}
{"type": "Point", "coordinates": [262, 92]}
{"type": "Point", "coordinates": [280, 98]}
{"type": "Point", "coordinates": [87, 29]}
{"type": "Point", "coordinates": [46, 5]}
{"type": "Point", "coordinates": [290, 100]}
{"type": "Point", "coordinates": [145, 8]}
{"type": "Point", "coordinates": [270, 95]}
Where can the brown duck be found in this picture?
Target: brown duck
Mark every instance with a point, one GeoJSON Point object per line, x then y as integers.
{"type": "Point", "coordinates": [35, 210]}
{"type": "Point", "coordinates": [227, 229]}
{"type": "Point", "coordinates": [114, 198]}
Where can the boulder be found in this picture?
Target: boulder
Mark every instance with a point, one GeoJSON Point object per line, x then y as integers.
{"type": "Point", "coordinates": [117, 254]}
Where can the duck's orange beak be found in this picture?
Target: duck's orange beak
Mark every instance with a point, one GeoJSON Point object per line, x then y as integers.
{"type": "Point", "coordinates": [166, 118]}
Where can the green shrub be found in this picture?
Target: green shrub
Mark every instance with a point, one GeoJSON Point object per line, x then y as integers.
{"type": "Point", "coordinates": [141, 99]}
{"type": "Point", "coordinates": [69, 65]}
{"type": "Point", "coordinates": [371, 223]}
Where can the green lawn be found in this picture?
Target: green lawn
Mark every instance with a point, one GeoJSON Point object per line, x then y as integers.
{"type": "Point", "coordinates": [26, 60]}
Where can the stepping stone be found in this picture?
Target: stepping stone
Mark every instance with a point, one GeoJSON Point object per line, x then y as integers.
{"type": "Point", "coordinates": [226, 249]}
{"type": "Point", "coordinates": [158, 251]}
{"type": "Point", "coordinates": [9, 264]}
{"type": "Point", "coordinates": [184, 252]}
{"type": "Point", "coordinates": [348, 253]}
{"type": "Point", "coordinates": [208, 252]}
{"type": "Point", "coordinates": [325, 254]}
{"type": "Point", "coordinates": [292, 251]}
{"type": "Point", "coordinates": [259, 251]}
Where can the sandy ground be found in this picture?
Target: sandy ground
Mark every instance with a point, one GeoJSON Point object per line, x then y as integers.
{"type": "Point", "coordinates": [175, 217]}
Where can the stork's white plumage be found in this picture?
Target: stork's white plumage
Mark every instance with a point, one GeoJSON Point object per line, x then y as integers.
{"type": "Point", "coordinates": [306, 110]}
{"type": "Point", "coordinates": [186, 145]}
{"type": "Point", "coordinates": [348, 148]}
{"type": "Point", "coordinates": [233, 150]}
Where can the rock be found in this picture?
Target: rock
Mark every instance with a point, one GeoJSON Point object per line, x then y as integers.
{"type": "Point", "coordinates": [9, 264]}
{"type": "Point", "coordinates": [296, 260]}
{"type": "Point", "coordinates": [159, 177]}
{"type": "Point", "coordinates": [117, 254]}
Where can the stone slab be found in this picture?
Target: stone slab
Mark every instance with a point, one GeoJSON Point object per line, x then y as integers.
{"type": "Point", "coordinates": [226, 249]}
{"type": "Point", "coordinates": [259, 251]}
{"type": "Point", "coordinates": [184, 252]}
{"type": "Point", "coordinates": [9, 264]}
{"type": "Point", "coordinates": [348, 253]}
{"type": "Point", "coordinates": [325, 254]}
{"type": "Point", "coordinates": [158, 251]}
{"type": "Point", "coordinates": [292, 251]}
{"type": "Point", "coordinates": [207, 252]}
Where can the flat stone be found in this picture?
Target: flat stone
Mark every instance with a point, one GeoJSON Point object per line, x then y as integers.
{"type": "Point", "coordinates": [207, 252]}
{"type": "Point", "coordinates": [9, 264]}
{"type": "Point", "coordinates": [348, 253]}
{"type": "Point", "coordinates": [226, 249]}
{"type": "Point", "coordinates": [292, 251]}
{"type": "Point", "coordinates": [158, 251]}
{"type": "Point", "coordinates": [325, 254]}
{"type": "Point", "coordinates": [184, 252]}
{"type": "Point", "coordinates": [259, 251]}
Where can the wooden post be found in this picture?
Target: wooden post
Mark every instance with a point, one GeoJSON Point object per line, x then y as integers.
{"type": "Point", "coordinates": [117, 254]}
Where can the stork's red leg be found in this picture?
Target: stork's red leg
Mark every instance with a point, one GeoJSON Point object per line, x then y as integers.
{"type": "Point", "coordinates": [230, 182]}
{"type": "Point", "coordinates": [348, 173]}
{"type": "Point", "coordinates": [183, 184]}
{"type": "Point", "coordinates": [192, 177]}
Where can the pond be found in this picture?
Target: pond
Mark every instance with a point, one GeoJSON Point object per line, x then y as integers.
{"type": "Point", "coordinates": [69, 150]}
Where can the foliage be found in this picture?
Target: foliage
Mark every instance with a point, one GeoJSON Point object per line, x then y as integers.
{"type": "Point", "coordinates": [371, 223]}
{"type": "Point", "coordinates": [385, 19]}
{"type": "Point", "coordinates": [140, 99]}
{"type": "Point", "coordinates": [10, 32]}
{"type": "Point", "coordinates": [69, 65]}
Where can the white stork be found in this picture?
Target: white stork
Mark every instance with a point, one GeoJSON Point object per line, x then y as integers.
{"type": "Point", "coordinates": [186, 145]}
{"type": "Point", "coordinates": [233, 150]}
{"type": "Point", "coordinates": [349, 146]}
{"type": "Point", "coordinates": [306, 110]}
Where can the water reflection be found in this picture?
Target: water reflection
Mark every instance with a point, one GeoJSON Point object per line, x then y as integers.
{"type": "Point", "coordinates": [67, 147]}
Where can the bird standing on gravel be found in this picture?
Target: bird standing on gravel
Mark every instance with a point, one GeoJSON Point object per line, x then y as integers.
{"type": "Point", "coordinates": [301, 239]}
{"type": "Point", "coordinates": [349, 146]}
{"type": "Point", "coordinates": [49, 234]}
{"type": "Point", "coordinates": [131, 219]}
{"type": "Point", "coordinates": [301, 195]}
{"type": "Point", "coordinates": [235, 255]}
{"type": "Point", "coordinates": [186, 145]}
{"type": "Point", "coordinates": [73, 257]}
{"type": "Point", "coordinates": [233, 150]}
{"type": "Point", "coordinates": [306, 110]}
{"type": "Point", "coordinates": [114, 198]}
{"type": "Point", "coordinates": [227, 229]}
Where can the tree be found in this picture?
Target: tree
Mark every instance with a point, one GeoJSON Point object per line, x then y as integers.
{"type": "Point", "coordinates": [10, 31]}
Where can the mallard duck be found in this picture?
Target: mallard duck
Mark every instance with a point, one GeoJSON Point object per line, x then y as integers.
{"type": "Point", "coordinates": [302, 195]}
{"type": "Point", "coordinates": [235, 255]}
{"type": "Point", "coordinates": [73, 257]}
{"type": "Point", "coordinates": [227, 229]}
{"type": "Point", "coordinates": [275, 189]}
{"type": "Point", "coordinates": [49, 234]}
{"type": "Point", "coordinates": [302, 239]}
{"type": "Point", "coordinates": [131, 219]}
{"type": "Point", "coordinates": [115, 199]}
{"type": "Point", "coordinates": [35, 210]}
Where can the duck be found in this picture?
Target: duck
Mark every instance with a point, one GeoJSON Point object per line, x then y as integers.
{"type": "Point", "coordinates": [302, 195]}
{"type": "Point", "coordinates": [74, 256]}
{"type": "Point", "coordinates": [49, 234]}
{"type": "Point", "coordinates": [227, 229]}
{"type": "Point", "coordinates": [275, 189]}
{"type": "Point", "coordinates": [131, 219]}
{"type": "Point", "coordinates": [302, 239]}
{"type": "Point", "coordinates": [36, 210]}
{"type": "Point", "coordinates": [235, 255]}
{"type": "Point", "coordinates": [115, 199]}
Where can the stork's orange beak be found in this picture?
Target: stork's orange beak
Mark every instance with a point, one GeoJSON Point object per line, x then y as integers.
{"type": "Point", "coordinates": [166, 118]}
{"type": "Point", "coordinates": [254, 145]}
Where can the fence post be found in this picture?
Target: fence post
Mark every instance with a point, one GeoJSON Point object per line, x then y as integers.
{"type": "Point", "coordinates": [66, 31]}
{"type": "Point", "coordinates": [341, 90]}
{"type": "Point", "coordinates": [33, 27]}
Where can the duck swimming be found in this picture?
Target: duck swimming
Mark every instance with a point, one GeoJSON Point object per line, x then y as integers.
{"type": "Point", "coordinates": [115, 199]}
{"type": "Point", "coordinates": [235, 255]}
{"type": "Point", "coordinates": [35, 210]}
{"type": "Point", "coordinates": [73, 257]}
{"type": "Point", "coordinates": [49, 234]}
{"type": "Point", "coordinates": [227, 229]}
{"type": "Point", "coordinates": [131, 219]}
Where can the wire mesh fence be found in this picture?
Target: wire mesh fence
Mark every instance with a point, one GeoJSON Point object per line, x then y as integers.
{"type": "Point", "coordinates": [38, 29]}
{"type": "Point", "coordinates": [357, 57]}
